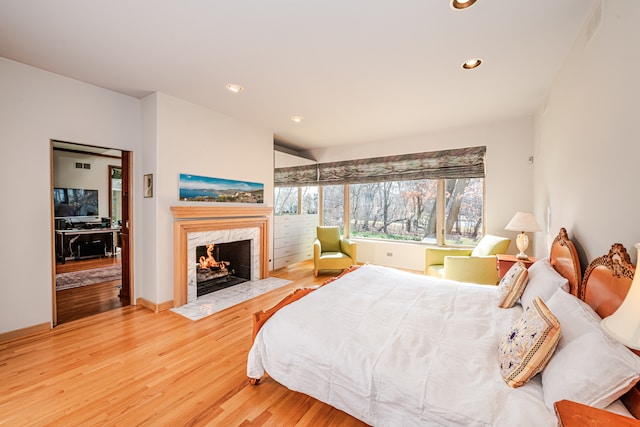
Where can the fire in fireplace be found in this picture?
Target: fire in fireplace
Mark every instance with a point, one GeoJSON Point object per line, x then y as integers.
{"type": "Point", "coordinates": [221, 265]}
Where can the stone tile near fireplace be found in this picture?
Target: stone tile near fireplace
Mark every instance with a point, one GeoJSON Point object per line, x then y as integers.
{"type": "Point", "coordinates": [220, 300]}
{"type": "Point", "coordinates": [202, 238]}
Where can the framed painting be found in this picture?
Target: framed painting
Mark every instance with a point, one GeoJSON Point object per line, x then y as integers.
{"type": "Point", "coordinates": [148, 185]}
{"type": "Point", "coordinates": [195, 188]}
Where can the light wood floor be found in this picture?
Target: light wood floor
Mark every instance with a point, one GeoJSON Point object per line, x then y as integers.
{"type": "Point", "coordinates": [78, 303]}
{"type": "Point", "coordinates": [133, 367]}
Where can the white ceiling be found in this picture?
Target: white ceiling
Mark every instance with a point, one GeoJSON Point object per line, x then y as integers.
{"type": "Point", "coordinates": [357, 70]}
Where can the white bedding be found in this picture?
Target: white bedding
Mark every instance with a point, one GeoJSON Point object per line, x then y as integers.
{"type": "Point", "coordinates": [398, 349]}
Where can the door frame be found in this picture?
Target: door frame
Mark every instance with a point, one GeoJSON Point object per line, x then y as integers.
{"type": "Point", "coordinates": [127, 192]}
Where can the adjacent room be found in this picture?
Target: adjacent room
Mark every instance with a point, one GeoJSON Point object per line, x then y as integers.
{"type": "Point", "coordinates": [319, 213]}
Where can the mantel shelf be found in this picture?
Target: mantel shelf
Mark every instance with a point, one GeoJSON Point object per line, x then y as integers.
{"type": "Point", "coordinates": [191, 212]}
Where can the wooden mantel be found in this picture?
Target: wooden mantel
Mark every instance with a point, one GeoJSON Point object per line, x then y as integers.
{"type": "Point", "coordinates": [188, 219]}
{"type": "Point", "coordinates": [194, 212]}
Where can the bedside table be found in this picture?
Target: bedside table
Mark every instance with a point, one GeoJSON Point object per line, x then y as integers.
{"type": "Point", "coordinates": [573, 414]}
{"type": "Point", "coordinates": [504, 262]}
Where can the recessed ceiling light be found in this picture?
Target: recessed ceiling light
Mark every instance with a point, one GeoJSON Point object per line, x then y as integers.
{"type": "Point", "coordinates": [462, 4]}
{"type": "Point", "coordinates": [472, 63]}
{"type": "Point", "coordinates": [235, 88]}
{"type": "Point", "coordinates": [297, 119]}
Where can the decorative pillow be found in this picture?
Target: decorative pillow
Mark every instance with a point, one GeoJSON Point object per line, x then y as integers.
{"type": "Point", "coordinates": [491, 245]}
{"type": "Point", "coordinates": [589, 366]}
{"type": "Point", "coordinates": [527, 348]}
{"type": "Point", "coordinates": [512, 285]}
{"type": "Point", "coordinates": [544, 280]}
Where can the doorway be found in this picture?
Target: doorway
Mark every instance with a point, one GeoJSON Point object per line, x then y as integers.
{"type": "Point", "coordinates": [90, 205]}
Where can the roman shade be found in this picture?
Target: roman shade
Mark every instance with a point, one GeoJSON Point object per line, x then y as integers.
{"type": "Point", "coordinates": [454, 163]}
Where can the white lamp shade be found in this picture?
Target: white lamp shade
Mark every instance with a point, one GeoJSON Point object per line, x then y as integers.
{"type": "Point", "coordinates": [624, 323]}
{"type": "Point", "coordinates": [523, 221]}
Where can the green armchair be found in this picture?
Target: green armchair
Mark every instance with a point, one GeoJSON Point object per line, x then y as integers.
{"type": "Point", "coordinates": [331, 251]}
{"type": "Point", "coordinates": [477, 265]}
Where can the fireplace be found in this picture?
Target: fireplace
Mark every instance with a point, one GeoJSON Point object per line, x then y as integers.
{"type": "Point", "coordinates": [220, 266]}
{"type": "Point", "coordinates": [196, 226]}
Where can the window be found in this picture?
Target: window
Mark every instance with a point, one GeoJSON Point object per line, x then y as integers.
{"type": "Point", "coordinates": [407, 210]}
{"type": "Point", "coordinates": [333, 206]}
{"type": "Point", "coordinates": [463, 213]}
{"type": "Point", "coordinates": [309, 200]}
{"type": "Point", "coordinates": [285, 200]}
{"type": "Point", "coordinates": [433, 197]}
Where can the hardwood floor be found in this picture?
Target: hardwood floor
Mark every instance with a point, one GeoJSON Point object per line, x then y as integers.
{"type": "Point", "coordinates": [130, 366]}
{"type": "Point", "coordinates": [77, 303]}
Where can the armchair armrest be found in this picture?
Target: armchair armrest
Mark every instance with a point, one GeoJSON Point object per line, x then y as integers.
{"type": "Point", "coordinates": [350, 248]}
{"type": "Point", "coordinates": [317, 249]}
{"type": "Point", "coordinates": [435, 256]}
{"type": "Point", "coordinates": [480, 269]}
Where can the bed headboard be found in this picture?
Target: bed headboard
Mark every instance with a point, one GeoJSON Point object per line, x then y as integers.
{"type": "Point", "coordinates": [606, 282]}
{"type": "Point", "coordinates": [564, 259]}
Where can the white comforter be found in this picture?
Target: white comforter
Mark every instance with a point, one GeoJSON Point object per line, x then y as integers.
{"type": "Point", "coordinates": [398, 349]}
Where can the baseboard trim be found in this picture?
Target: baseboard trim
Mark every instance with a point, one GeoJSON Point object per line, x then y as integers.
{"type": "Point", "coordinates": [156, 308]}
{"type": "Point", "coordinates": [25, 332]}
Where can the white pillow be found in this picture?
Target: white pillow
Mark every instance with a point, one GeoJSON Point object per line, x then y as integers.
{"type": "Point", "coordinates": [588, 366]}
{"type": "Point", "coordinates": [544, 281]}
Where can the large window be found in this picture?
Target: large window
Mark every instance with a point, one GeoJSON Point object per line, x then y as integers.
{"type": "Point", "coordinates": [408, 210]}
{"type": "Point", "coordinates": [434, 197]}
{"type": "Point", "coordinates": [333, 205]}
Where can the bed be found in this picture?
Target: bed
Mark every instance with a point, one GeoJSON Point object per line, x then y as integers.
{"type": "Point", "coordinates": [394, 348]}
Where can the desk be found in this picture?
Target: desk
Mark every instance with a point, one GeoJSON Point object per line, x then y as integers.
{"type": "Point", "coordinates": [69, 241]}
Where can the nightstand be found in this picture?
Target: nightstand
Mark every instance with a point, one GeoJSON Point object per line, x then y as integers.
{"type": "Point", "coordinates": [573, 414]}
{"type": "Point", "coordinates": [504, 262]}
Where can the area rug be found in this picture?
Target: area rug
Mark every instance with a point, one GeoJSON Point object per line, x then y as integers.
{"type": "Point", "coordinates": [77, 279]}
{"type": "Point", "coordinates": [214, 302]}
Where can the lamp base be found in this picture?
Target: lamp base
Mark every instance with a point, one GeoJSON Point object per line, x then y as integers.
{"type": "Point", "coordinates": [522, 243]}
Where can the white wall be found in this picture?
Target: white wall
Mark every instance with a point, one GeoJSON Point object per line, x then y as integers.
{"type": "Point", "coordinates": [37, 106]}
{"type": "Point", "coordinates": [194, 140]}
{"type": "Point", "coordinates": [167, 137]}
{"type": "Point", "coordinates": [508, 181]}
{"type": "Point", "coordinates": [587, 143]}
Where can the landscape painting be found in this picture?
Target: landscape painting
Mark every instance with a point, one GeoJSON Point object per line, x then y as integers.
{"type": "Point", "coordinates": [194, 188]}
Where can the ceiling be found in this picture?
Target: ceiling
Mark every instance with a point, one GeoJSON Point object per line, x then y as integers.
{"type": "Point", "coordinates": [358, 70]}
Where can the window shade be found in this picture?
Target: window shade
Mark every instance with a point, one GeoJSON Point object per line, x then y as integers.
{"type": "Point", "coordinates": [454, 163]}
{"type": "Point", "coordinates": [296, 176]}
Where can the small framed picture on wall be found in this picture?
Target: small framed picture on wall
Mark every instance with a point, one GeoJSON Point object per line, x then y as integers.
{"type": "Point", "coordinates": [148, 185]}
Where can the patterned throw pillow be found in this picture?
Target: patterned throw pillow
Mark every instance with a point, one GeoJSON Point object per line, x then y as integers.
{"type": "Point", "coordinates": [512, 285]}
{"type": "Point", "coordinates": [529, 345]}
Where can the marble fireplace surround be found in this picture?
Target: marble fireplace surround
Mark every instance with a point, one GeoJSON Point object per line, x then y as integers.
{"type": "Point", "coordinates": [194, 225]}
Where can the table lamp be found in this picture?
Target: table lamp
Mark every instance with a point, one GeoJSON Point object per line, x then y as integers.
{"type": "Point", "coordinates": [523, 222]}
{"type": "Point", "coordinates": [624, 323]}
